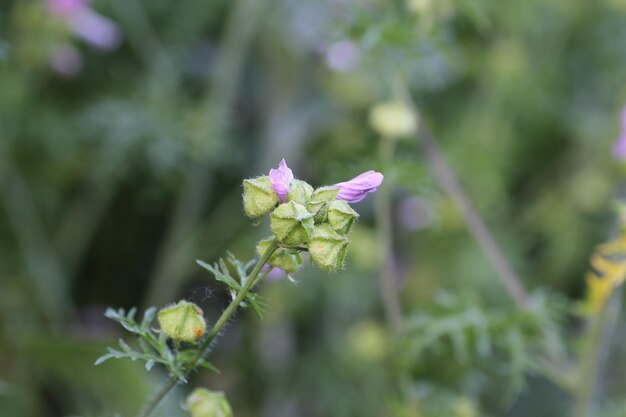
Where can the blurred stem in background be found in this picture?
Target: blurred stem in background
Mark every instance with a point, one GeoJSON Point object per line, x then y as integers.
{"type": "Point", "coordinates": [42, 264]}
{"type": "Point", "coordinates": [221, 90]}
{"type": "Point", "coordinates": [451, 185]}
{"type": "Point", "coordinates": [594, 356]}
{"type": "Point", "coordinates": [388, 274]}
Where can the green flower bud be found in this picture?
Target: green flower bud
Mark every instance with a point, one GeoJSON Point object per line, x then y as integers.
{"type": "Point", "coordinates": [299, 191]}
{"type": "Point", "coordinates": [259, 196]}
{"type": "Point", "coordinates": [182, 322]}
{"type": "Point", "coordinates": [291, 223]}
{"type": "Point", "coordinates": [205, 403]}
{"type": "Point", "coordinates": [318, 204]}
{"type": "Point", "coordinates": [341, 216]}
{"type": "Point", "coordinates": [328, 248]}
{"type": "Point", "coordinates": [281, 258]}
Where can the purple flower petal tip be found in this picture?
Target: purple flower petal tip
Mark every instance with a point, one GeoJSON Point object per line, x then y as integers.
{"type": "Point", "coordinates": [619, 148]}
{"type": "Point", "coordinates": [66, 7]}
{"type": "Point", "coordinates": [359, 187]}
{"type": "Point", "coordinates": [280, 179]}
{"type": "Point", "coordinates": [274, 273]}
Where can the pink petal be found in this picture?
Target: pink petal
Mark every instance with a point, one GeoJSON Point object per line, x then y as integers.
{"type": "Point", "coordinates": [280, 179]}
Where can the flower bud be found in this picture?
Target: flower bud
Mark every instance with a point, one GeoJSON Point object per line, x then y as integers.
{"type": "Point", "coordinates": [280, 179]}
{"type": "Point", "coordinates": [300, 192]}
{"type": "Point", "coordinates": [182, 322]}
{"type": "Point", "coordinates": [359, 187]}
{"type": "Point", "coordinates": [259, 196]}
{"type": "Point", "coordinates": [341, 216]}
{"type": "Point", "coordinates": [281, 258]}
{"type": "Point", "coordinates": [291, 223]}
{"type": "Point", "coordinates": [318, 203]}
{"type": "Point", "coordinates": [327, 248]}
{"type": "Point", "coordinates": [392, 119]}
{"type": "Point", "coordinates": [204, 403]}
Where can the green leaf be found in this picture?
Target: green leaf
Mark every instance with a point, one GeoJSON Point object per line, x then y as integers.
{"type": "Point", "coordinates": [206, 364]}
{"type": "Point", "coordinates": [219, 275]}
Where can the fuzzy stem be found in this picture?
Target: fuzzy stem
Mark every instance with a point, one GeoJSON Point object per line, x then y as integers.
{"type": "Point", "coordinates": [217, 327]}
{"type": "Point", "coordinates": [388, 273]}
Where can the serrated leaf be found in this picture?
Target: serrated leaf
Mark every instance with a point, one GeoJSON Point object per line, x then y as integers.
{"type": "Point", "coordinates": [111, 313]}
{"type": "Point", "coordinates": [103, 358]}
{"type": "Point", "coordinates": [220, 276]}
{"type": "Point", "coordinates": [124, 346]}
{"type": "Point", "coordinates": [131, 314]}
{"type": "Point", "coordinates": [148, 317]}
{"type": "Point", "coordinates": [208, 365]}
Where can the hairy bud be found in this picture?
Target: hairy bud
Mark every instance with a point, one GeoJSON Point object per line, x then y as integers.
{"type": "Point", "coordinates": [205, 403]}
{"type": "Point", "coordinates": [318, 203]}
{"type": "Point", "coordinates": [341, 216]}
{"type": "Point", "coordinates": [182, 322]}
{"type": "Point", "coordinates": [291, 223]}
{"type": "Point", "coordinates": [328, 248]}
{"type": "Point", "coordinates": [300, 192]}
{"type": "Point", "coordinates": [281, 258]}
{"type": "Point", "coordinates": [259, 196]}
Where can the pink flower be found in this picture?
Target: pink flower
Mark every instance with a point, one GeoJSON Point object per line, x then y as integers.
{"type": "Point", "coordinates": [66, 60]}
{"type": "Point", "coordinates": [358, 187]}
{"type": "Point", "coordinates": [85, 23]}
{"type": "Point", "coordinates": [274, 273]}
{"type": "Point", "coordinates": [619, 147]}
{"type": "Point", "coordinates": [280, 179]}
{"type": "Point", "coordinates": [66, 7]}
{"type": "Point", "coordinates": [342, 56]}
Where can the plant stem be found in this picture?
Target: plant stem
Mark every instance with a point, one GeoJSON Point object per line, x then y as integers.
{"type": "Point", "coordinates": [217, 327]}
{"type": "Point", "coordinates": [451, 185]}
{"type": "Point", "coordinates": [596, 336]}
{"type": "Point", "coordinates": [388, 275]}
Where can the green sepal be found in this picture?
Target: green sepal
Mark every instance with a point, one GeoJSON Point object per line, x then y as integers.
{"type": "Point", "coordinates": [291, 223]}
{"type": "Point", "coordinates": [341, 216]}
{"type": "Point", "coordinates": [259, 196]}
{"type": "Point", "coordinates": [318, 203]}
{"type": "Point", "coordinates": [182, 322]}
{"type": "Point", "coordinates": [328, 248]}
{"type": "Point", "coordinates": [205, 403]}
{"type": "Point", "coordinates": [300, 192]}
{"type": "Point", "coordinates": [282, 258]}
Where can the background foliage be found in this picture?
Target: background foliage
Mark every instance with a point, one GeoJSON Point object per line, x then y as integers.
{"type": "Point", "coordinates": [114, 180]}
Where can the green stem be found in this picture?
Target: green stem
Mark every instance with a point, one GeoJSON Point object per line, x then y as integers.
{"type": "Point", "coordinates": [388, 274]}
{"type": "Point", "coordinates": [590, 359]}
{"type": "Point", "coordinates": [206, 345]}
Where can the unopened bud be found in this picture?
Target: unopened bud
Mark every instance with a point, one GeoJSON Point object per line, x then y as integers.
{"type": "Point", "coordinates": [393, 119]}
{"type": "Point", "coordinates": [318, 203]}
{"type": "Point", "coordinates": [205, 403]}
{"type": "Point", "coordinates": [281, 258]}
{"type": "Point", "coordinates": [327, 248]}
{"type": "Point", "coordinates": [300, 192]}
{"type": "Point", "coordinates": [341, 216]}
{"type": "Point", "coordinates": [291, 223]}
{"type": "Point", "coordinates": [259, 196]}
{"type": "Point", "coordinates": [182, 322]}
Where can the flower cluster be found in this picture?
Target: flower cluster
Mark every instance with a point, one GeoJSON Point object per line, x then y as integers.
{"type": "Point", "coordinates": [306, 219]}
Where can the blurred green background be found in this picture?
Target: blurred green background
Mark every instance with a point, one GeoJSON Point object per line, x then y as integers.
{"type": "Point", "coordinates": [121, 165]}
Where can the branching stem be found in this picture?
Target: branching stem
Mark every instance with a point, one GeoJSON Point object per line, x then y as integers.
{"type": "Point", "coordinates": [217, 327]}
